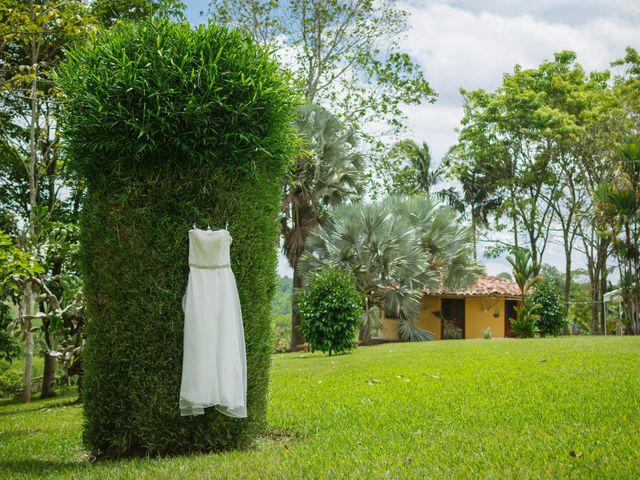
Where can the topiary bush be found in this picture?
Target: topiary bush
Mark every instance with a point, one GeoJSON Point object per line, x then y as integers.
{"type": "Point", "coordinates": [171, 126]}
{"type": "Point", "coordinates": [551, 320]}
{"type": "Point", "coordinates": [331, 310]}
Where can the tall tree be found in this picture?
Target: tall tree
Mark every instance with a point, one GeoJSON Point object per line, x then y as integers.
{"type": "Point", "coordinates": [38, 196]}
{"type": "Point", "coordinates": [328, 172]}
{"type": "Point", "coordinates": [617, 200]}
{"type": "Point", "coordinates": [32, 47]}
{"type": "Point", "coordinates": [481, 195]}
{"type": "Point", "coordinates": [343, 54]}
{"type": "Point", "coordinates": [108, 12]}
{"type": "Point", "coordinates": [525, 131]}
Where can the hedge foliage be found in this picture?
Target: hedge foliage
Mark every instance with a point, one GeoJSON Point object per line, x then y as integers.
{"type": "Point", "coordinates": [168, 126]}
{"type": "Point", "coordinates": [331, 309]}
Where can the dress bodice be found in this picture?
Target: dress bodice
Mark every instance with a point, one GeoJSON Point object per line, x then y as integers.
{"type": "Point", "coordinates": [209, 248]}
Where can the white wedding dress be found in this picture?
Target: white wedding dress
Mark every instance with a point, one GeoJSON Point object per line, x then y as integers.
{"type": "Point", "coordinates": [214, 365]}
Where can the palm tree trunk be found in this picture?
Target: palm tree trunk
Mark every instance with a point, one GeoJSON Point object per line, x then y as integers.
{"type": "Point", "coordinates": [603, 289]}
{"type": "Point", "coordinates": [567, 282]}
{"type": "Point", "coordinates": [473, 230]}
{"type": "Point", "coordinates": [296, 336]}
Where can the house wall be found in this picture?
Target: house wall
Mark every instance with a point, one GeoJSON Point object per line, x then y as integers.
{"type": "Point", "coordinates": [476, 318]}
{"type": "Point", "coordinates": [428, 320]}
{"type": "Point", "coordinates": [389, 330]}
{"type": "Point", "coordinates": [479, 314]}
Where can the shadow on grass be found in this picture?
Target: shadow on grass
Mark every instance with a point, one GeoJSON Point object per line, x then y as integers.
{"type": "Point", "coordinates": [36, 405]}
{"type": "Point", "coordinates": [37, 468]}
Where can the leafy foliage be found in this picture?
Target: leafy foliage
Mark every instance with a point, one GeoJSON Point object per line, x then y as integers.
{"type": "Point", "coordinates": [395, 249]}
{"type": "Point", "coordinates": [551, 319]}
{"type": "Point", "coordinates": [109, 12]}
{"type": "Point", "coordinates": [618, 207]}
{"type": "Point", "coordinates": [282, 299]}
{"type": "Point", "coordinates": [9, 347]}
{"type": "Point", "coordinates": [330, 311]}
{"type": "Point", "coordinates": [170, 126]}
{"type": "Point", "coordinates": [525, 323]}
{"type": "Point", "coordinates": [345, 54]}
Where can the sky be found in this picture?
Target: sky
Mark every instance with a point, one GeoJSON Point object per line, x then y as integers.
{"type": "Point", "coordinates": [473, 43]}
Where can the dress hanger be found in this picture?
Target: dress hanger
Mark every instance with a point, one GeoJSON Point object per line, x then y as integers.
{"type": "Point", "coordinates": [226, 226]}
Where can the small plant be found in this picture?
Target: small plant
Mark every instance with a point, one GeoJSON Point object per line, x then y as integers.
{"type": "Point", "coordinates": [450, 331]}
{"type": "Point", "coordinates": [487, 333]}
{"type": "Point", "coordinates": [525, 323]}
{"type": "Point", "coordinates": [330, 311]}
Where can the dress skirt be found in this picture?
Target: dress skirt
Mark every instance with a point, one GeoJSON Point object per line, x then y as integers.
{"type": "Point", "coordinates": [214, 371]}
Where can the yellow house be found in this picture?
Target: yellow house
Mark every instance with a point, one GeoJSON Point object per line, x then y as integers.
{"type": "Point", "coordinates": [488, 303]}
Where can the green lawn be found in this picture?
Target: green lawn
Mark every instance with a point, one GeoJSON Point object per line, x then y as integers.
{"type": "Point", "coordinates": [566, 407]}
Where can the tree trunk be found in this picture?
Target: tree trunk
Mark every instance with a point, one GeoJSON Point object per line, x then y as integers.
{"type": "Point", "coordinates": [27, 302]}
{"type": "Point", "coordinates": [602, 291]}
{"type": "Point", "coordinates": [473, 230]}
{"type": "Point", "coordinates": [567, 284]}
{"type": "Point", "coordinates": [28, 299]}
{"type": "Point", "coordinates": [595, 286]}
{"type": "Point", "coordinates": [296, 336]}
{"type": "Point", "coordinates": [49, 376]}
{"type": "Point", "coordinates": [362, 336]}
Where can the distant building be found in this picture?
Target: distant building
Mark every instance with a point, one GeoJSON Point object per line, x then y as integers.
{"type": "Point", "coordinates": [488, 303]}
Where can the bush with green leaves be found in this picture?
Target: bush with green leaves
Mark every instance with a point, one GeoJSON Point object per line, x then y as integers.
{"type": "Point", "coordinates": [551, 320]}
{"type": "Point", "coordinates": [10, 383]}
{"type": "Point", "coordinates": [170, 126]}
{"type": "Point", "coordinates": [331, 310]}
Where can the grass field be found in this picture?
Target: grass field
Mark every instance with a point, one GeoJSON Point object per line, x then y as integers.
{"type": "Point", "coordinates": [561, 408]}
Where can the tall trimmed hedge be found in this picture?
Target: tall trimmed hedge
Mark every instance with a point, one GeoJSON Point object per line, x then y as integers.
{"type": "Point", "coordinates": [168, 126]}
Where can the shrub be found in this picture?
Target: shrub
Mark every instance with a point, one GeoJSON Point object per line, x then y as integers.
{"type": "Point", "coordinates": [487, 333]}
{"type": "Point", "coordinates": [551, 321]}
{"type": "Point", "coordinates": [10, 383]}
{"type": "Point", "coordinates": [168, 126]}
{"type": "Point", "coordinates": [9, 347]}
{"type": "Point", "coordinates": [330, 311]}
{"type": "Point", "coordinates": [525, 325]}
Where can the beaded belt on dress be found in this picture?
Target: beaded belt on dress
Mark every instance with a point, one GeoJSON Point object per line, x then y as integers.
{"type": "Point", "coordinates": [197, 265]}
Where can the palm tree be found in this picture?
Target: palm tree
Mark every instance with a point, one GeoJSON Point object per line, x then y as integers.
{"type": "Point", "coordinates": [395, 250]}
{"type": "Point", "coordinates": [480, 191]}
{"type": "Point", "coordinates": [442, 234]}
{"type": "Point", "coordinates": [426, 177]}
{"type": "Point", "coordinates": [327, 172]}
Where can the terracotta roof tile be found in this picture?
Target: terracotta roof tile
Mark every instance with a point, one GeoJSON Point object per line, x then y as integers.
{"type": "Point", "coordinates": [486, 286]}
